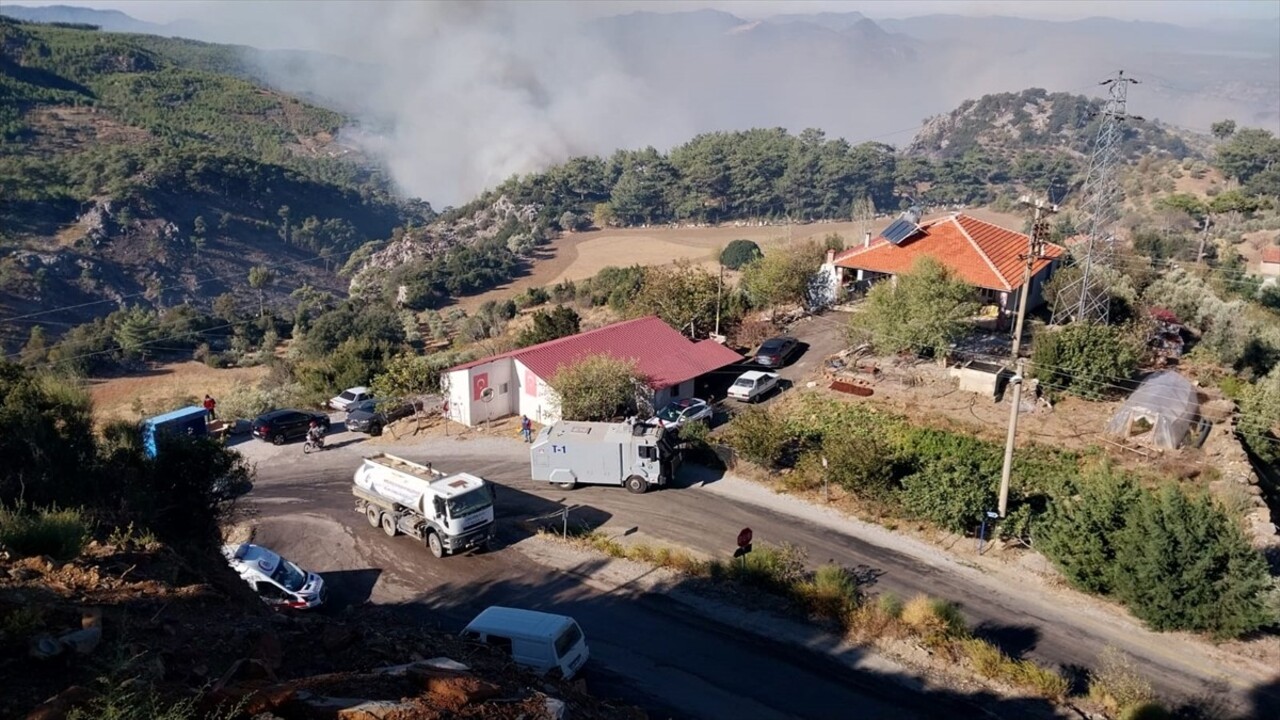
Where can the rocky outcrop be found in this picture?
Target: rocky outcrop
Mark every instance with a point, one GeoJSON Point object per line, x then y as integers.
{"type": "Point", "coordinates": [439, 237]}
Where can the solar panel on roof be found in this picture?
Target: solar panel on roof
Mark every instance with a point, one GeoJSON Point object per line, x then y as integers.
{"type": "Point", "coordinates": [899, 230]}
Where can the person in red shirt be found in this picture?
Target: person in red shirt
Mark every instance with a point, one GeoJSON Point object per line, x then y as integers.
{"type": "Point", "coordinates": [209, 405]}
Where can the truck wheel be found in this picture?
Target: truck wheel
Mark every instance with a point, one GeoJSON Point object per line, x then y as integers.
{"type": "Point", "coordinates": [389, 525]}
{"type": "Point", "coordinates": [637, 484]}
{"type": "Point", "coordinates": [278, 439]}
{"type": "Point", "coordinates": [373, 516]}
{"type": "Point", "coordinates": [567, 486]}
{"type": "Point", "coordinates": [434, 545]}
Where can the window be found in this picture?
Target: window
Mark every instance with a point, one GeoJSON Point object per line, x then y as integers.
{"type": "Point", "coordinates": [502, 643]}
{"type": "Point", "coordinates": [568, 639]}
{"type": "Point", "coordinates": [648, 452]}
{"type": "Point", "coordinates": [502, 389]}
{"type": "Point", "coordinates": [269, 591]}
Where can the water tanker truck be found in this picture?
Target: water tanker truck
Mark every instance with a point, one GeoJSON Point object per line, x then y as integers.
{"type": "Point", "coordinates": [448, 512]}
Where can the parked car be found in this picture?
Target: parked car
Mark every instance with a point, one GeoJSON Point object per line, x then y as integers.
{"type": "Point", "coordinates": [775, 352]}
{"type": "Point", "coordinates": [348, 397]}
{"type": "Point", "coordinates": [753, 385]}
{"type": "Point", "coordinates": [370, 416]}
{"type": "Point", "coordinates": [544, 642]}
{"type": "Point", "coordinates": [277, 581]}
{"type": "Point", "coordinates": [281, 426]}
{"type": "Point", "coordinates": [682, 412]}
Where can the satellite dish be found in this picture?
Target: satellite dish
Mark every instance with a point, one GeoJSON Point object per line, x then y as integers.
{"type": "Point", "coordinates": [486, 394]}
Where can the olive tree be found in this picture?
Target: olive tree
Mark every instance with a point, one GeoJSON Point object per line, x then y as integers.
{"type": "Point", "coordinates": [599, 387]}
{"type": "Point", "coordinates": [924, 311]}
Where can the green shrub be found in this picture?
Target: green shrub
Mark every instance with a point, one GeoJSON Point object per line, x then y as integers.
{"type": "Point", "coordinates": [1080, 532]}
{"type": "Point", "coordinates": [1182, 564]}
{"type": "Point", "coordinates": [832, 592]}
{"type": "Point", "coordinates": [60, 534]}
{"type": "Point", "coordinates": [955, 478]}
{"type": "Point", "coordinates": [739, 253]}
{"type": "Point", "coordinates": [1084, 359]}
{"type": "Point", "coordinates": [776, 568]}
{"type": "Point", "coordinates": [758, 435]}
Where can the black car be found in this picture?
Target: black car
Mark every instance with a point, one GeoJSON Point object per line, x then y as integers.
{"type": "Point", "coordinates": [775, 352]}
{"type": "Point", "coordinates": [280, 426]}
{"type": "Point", "coordinates": [370, 416]}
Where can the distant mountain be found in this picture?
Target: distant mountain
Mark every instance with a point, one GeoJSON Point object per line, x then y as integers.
{"type": "Point", "coordinates": [110, 20]}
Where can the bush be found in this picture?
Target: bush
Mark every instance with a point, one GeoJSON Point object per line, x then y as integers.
{"type": "Point", "coordinates": [560, 322]}
{"type": "Point", "coordinates": [955, 478]}
{"type": "Point", "coordinates": [759, 436]}
{"type": "Point", "coordinates": [935, 620]}
{"type": "Point", "coordinates": [60, 534]}
{"type": "Point", "coordinates": [776, 568]}
{"type": "Point", "coordinates": [1116, 685]}
{"type": "Point", "coordinates": [925, 311]}
{"type": "Point", "coordinates": [1084, 359]}
{"type": "Point", "coordinates": [1080, 533]}
{"type": "Point", "coordinates": [1182, 564]}
{"type": "Point", "coordinates": [739, 253]}
{"type": "Point", "coordinates": [598, 387]}
{"type": "Point", "coordinates": [831, 593]}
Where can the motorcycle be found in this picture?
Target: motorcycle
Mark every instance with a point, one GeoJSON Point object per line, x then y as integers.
{"type": "Point", "coordinates": [314, 445]}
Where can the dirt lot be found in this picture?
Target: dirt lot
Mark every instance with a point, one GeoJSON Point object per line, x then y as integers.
{"type": "Point", "coordinates": [581, 255]}
{"type": "Point", "coordinates": [113, 398]}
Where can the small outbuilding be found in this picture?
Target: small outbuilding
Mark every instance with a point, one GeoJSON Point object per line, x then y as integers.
{"type": "Point", "coordinates": [1160, 412]}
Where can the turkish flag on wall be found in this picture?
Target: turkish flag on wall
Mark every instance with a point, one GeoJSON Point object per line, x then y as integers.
{"type": "Point", "coordinates": [530, 384]}
{"type": "Point", "coordinates": [478, 384]}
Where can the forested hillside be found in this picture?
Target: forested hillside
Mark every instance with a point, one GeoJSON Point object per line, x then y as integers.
{"type": "Point", "coordinates": [969, 157]}
{"type": "Point", "coordinates": [144, 166]}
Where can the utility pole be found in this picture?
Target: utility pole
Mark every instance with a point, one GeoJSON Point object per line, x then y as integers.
{"type": "Point", "coordinates": [719, 293]}
{"type": "Point", "coordinates": [1039, 229]}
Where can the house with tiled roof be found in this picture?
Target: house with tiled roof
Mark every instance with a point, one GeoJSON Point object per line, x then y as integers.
{"type": "Point", "coordinates": [1269, 263]}
{"type": "Point", "coordinates": [519, 382]}
{"type": "Point", "coordinates": [988, 257]}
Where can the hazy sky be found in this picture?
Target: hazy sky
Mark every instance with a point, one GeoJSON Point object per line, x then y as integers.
{"type": "Point", "coordinates": [1186, 12]}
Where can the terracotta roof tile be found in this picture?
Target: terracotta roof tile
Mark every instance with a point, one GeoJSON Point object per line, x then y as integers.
{"type": "Point", "coordinates": [663, 355]}
{"type": "Point", "coordinates": [1271, 254]}
{"type": "Point", "coordinates": [978, 252]}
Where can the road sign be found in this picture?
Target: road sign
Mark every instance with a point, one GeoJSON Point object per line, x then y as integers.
{"type": "Point", "coordinates": [744, 538]}
{"type": "Point", "coordinates": [742, 551]}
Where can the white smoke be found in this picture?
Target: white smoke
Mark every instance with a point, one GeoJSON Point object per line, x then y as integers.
{"type": "Point", "coordinates": [459, 96]}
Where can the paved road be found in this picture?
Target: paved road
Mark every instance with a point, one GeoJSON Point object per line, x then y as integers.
{"type": "Point", "coordinates": [647, 650]}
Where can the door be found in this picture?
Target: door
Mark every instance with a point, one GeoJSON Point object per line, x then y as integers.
{"type": "Point", "coordinates": [296, 425]}
{"type": "Point", "coordinates": [271, 593]}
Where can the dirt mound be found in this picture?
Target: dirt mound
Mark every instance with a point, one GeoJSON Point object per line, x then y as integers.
{"type": "Point", "coordinates": [194, 631]}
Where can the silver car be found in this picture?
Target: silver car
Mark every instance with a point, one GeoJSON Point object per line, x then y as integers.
{"type": "Point", "coordinates": [682, 412]}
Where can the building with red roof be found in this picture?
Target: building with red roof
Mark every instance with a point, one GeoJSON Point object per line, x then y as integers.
{"type": "Point", "coordinates": [1269, 263]}
{"type": "Point", "coordinates": [518, 382]}
{"type": "Point", "coordinates": [984, 255]}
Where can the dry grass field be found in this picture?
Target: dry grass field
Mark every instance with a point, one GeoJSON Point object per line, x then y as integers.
{"type": "Point", "coordinates": [113, 398]}
{"type": "Point", "coordinates": [578, 256]}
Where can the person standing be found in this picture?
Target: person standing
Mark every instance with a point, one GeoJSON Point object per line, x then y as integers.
{"type": "Point", "coordinates": [209, 407]}
{"type": "Point", "coordinates": [526, 428]}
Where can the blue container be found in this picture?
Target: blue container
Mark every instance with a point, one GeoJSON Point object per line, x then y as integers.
{"type": "Point", "coordinates": [186, 421]}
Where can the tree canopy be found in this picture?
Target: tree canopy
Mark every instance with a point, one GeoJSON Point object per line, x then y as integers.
{"type": "Point", "coordinates": [924, 311]}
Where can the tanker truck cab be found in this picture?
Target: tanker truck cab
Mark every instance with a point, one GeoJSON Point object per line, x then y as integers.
{"type": "Point", "coordinates": [448, 512]}
{"type": "Point", "coordinates": [543, 642]}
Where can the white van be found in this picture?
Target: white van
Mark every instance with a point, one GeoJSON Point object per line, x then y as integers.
{"type": "Point", "coordinates": [277, 581]}
{"type": "Point", "coordinates": [538, 640]}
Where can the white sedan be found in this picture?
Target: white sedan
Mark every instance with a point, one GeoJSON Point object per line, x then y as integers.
{"type": "Point", "coordinates": [683, 412]}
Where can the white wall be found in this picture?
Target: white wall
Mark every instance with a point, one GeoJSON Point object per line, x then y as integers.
{"type": "Point", "coordinates": [464, 386]}
{"type": "Point", "coordinates": [533, 396]}
{"type": "Point", "coordinates": [675, 392]}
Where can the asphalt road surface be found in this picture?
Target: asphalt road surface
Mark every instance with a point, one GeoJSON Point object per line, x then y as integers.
{"type": "Point", "coordinates": [647, 650]}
